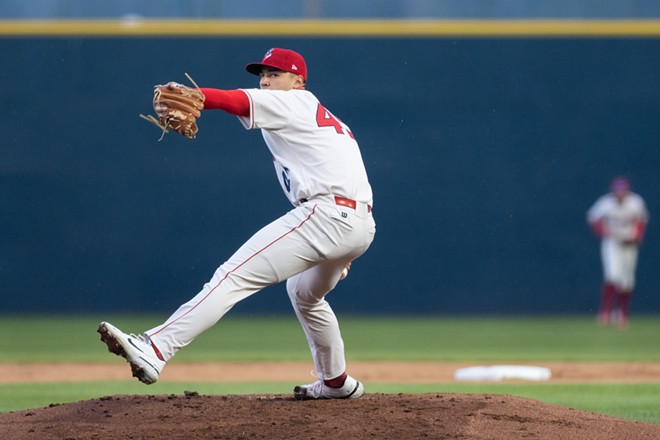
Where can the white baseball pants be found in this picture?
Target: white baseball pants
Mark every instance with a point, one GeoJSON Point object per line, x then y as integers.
{"type": "Point", "coordinates": [309, 246]}
{"type": "Point", "coordinates": [619, 264]}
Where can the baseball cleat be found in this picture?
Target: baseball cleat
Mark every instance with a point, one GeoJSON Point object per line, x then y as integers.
{"type": "Point", "coordinates": [352, 389]}
{"type": "Point", "coordinates": [145, 365]}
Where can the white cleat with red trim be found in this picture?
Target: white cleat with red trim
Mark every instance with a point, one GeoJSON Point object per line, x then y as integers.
{"type": "Point", "coordinates": [137, 351]}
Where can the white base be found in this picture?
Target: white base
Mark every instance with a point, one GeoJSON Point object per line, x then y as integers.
{"type": "Point", "coordinates": [500, 372]}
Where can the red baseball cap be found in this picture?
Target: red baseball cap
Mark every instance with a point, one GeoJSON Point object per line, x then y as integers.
{"type": "Point", "coordinates": [282, 59]}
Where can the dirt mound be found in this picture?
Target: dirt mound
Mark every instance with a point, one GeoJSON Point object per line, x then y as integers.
{"type": "Point", "coordinates": [377, 416]}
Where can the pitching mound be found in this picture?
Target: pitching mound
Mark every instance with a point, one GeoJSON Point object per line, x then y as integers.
{"type": "Point", "coordinates": [378, 416]}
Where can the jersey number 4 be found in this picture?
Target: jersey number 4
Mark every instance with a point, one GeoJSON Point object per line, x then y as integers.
{"type": "Point", "coordinates": [326, 119]}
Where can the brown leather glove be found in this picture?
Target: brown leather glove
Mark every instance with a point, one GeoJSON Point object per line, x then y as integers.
{"type": "Point", "coordinates": [178, 107]}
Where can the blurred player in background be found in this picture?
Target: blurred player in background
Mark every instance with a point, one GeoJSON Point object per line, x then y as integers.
{"type": "Point", "coordinates": [620, 219]}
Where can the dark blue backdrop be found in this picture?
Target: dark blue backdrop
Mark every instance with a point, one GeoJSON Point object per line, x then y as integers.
{"type": "Point", "coordinates": [484, 155]}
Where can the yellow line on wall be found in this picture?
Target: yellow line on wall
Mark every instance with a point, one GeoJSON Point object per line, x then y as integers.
{"type": "Point", "coordinates": [333, 28]}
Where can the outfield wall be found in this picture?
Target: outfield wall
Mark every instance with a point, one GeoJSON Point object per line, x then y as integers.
{"type": "Point", "coordinates": [484, 153]}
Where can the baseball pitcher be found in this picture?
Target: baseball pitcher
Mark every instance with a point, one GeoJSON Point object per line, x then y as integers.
{"type": "Point", "coordinates": [320, 169]}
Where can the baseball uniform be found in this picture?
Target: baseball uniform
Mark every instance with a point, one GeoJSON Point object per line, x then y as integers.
{"type": "Point", "coordinates": [320, 169]}
{"type": "Point", "coordinates": [619, 218]}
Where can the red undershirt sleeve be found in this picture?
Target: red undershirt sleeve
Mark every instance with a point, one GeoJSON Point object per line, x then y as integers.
{"type": "Point", "coordinates": [235, 102]}
{"type": "Point", "coordinates": [640, 228]}
{"type": "Point", "coordinates": [598, 227]}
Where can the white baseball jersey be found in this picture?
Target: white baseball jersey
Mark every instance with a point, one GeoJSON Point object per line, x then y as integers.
{"type": "Point", "coordinates": [620, 220]}
{"type": "Point", "coordinates": [314, 152]}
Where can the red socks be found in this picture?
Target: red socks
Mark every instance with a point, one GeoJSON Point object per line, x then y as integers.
{"type": "Point", "coordinates": [612, 295]}
{"type": "Point", "coordinates": [607, 301]}
{"type": "Point", "coordinates": [624, 305]}
{"type": "Point", "coordinates": [337, 382]}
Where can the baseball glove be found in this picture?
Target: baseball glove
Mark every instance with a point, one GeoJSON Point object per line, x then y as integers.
{"type": "Point", "coordinates": [178, 107]}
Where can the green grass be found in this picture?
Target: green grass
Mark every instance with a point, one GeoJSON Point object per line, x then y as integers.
{"type": "Point", "coordinates": [467, 339]}
{"type": "Point", "coordinates": [438, 338]}
{"type": "Point", "coordinates": [510, 339]}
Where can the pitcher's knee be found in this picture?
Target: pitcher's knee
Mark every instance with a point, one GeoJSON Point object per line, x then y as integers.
{"type": "Point", "coordinates": [303, 301]}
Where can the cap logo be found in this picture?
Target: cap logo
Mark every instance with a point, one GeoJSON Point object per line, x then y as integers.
{"type": "Point", "coordinates": [285, 60]}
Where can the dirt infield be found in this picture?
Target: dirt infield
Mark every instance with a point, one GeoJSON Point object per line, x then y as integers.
{"type": "Point", "coordinates": [392, 372]}
{"type": "Point", "coordinates": [377, 416]}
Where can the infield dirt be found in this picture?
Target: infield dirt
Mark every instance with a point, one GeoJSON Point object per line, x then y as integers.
{"type": "Point", "coordinates": [375, 416]}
